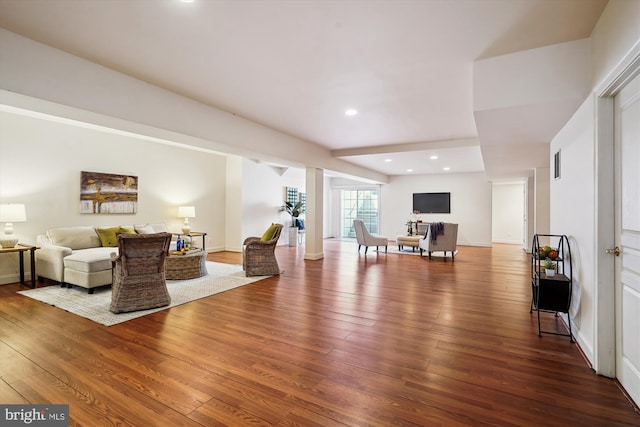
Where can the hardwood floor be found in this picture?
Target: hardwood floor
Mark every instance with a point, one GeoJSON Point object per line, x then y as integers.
{"type": "Point", "coordinates": [352, 339]}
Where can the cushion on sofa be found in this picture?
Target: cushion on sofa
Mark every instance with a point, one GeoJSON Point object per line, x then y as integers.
{"type": "Point", "coordinates": [151, 228]}
{"type": "Point", "coordinates": [144, 229]}
{"type": "Point", "coordinates": [126, 230]}
{"type": "Point", "coordinates": [108, 236]}
{"type": "Point", "coordinates": [74, 237]}
{"type": "Point", "coordinates": [90, 260]}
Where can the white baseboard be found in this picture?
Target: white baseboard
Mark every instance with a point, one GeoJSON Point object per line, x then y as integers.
{"type": "Point", "coordinates": [14, 278]}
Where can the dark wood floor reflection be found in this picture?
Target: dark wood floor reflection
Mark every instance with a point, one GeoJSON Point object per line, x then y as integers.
{"type": "Point", "coordinates": [352, 339]}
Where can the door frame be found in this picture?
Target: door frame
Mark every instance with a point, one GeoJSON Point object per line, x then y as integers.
{"type": "Point", "coordinates": [604, 362]}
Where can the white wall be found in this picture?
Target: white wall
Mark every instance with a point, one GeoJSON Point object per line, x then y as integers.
{"type": "Point", "coordinates": [470, 204]}
{"type": "Point", "coordinates": [41, 163]}
{"type": "Point", "coordinates": [263, 196]}
{"type": "Point", "coordinates": [328, 208]}
{"type": "Point", "coordinates": [571, 194]}
{"type": "Point", "coordinates": [573, 198]}
{"type": "Point", "coordinates": [541, 201]}
{"type": "Point", "coordinates": [508, 213]}
{"type": "Point", "coordinates": [529, 227]}
{"type": "Point", "coordinates": [616, 32]}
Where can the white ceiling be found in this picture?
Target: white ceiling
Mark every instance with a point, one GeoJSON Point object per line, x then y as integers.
{"type": "Point", "coordinates": [296, 66]}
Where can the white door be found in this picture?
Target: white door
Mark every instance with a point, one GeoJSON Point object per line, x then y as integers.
{"type": "Point", "coordinates": [627, 237]}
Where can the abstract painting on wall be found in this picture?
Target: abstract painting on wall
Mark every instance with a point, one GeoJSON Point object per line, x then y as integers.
{"type": "Point", "coordinates": [105, 193]}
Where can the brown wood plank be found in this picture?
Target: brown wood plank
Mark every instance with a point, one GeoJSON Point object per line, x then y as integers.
{"type": "Point", "coordinates": [375, 340]}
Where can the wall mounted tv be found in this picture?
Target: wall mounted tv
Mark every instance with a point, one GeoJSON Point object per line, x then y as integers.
{"type": "Point", "coordinates": [432, 202]}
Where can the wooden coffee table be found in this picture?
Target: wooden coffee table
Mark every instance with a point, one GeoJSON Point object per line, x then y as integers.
{"type": "Point", "coordinates": [190, 265]}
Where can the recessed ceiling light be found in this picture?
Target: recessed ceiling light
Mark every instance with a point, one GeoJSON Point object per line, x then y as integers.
{"type": "Point", "coordinates": [187, 1]}
{"type": "Point", "coordinates": [434, 157]}
{"type": "Point", "coordinates": [387, 160]}
{"type": "Point", "coordinates": [446, 168]}
{"type": "Point", "coordinates": [409, 170]}
{"type": "Point", "coordinates": [351, 112]}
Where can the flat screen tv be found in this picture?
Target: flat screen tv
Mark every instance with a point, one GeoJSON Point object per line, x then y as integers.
{"type": "Point", "coordinates": [432, 202]}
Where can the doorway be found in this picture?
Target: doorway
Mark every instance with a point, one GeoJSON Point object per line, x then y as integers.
{"type": "Point", "coordinates": [627, 236]}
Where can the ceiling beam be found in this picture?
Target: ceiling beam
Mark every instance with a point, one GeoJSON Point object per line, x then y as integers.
{"type": "Point", "coordinates": [401, 148]}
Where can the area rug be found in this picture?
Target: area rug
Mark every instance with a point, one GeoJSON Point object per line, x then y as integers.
{"type": "Point", "coordinates": [407, 251]}
{"type": "Point", "coordinates": [221, 277]}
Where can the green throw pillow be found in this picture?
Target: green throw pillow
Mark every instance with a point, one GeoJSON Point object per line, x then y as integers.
{"type": "Point", "coordinates": [108, 236]}
{"type": "Point", "coordinates": [270, 233]}
{"type": "Point", "coordinates": [127, 230]}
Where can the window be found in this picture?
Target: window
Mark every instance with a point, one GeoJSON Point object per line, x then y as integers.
{"type": "Point", "coordinates": [556, 165]}
{"type": "Point", "coordinates": [359, 204]}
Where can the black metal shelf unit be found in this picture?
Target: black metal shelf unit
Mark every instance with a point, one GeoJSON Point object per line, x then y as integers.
{"type": "Point", "coordinates": [551, 293]}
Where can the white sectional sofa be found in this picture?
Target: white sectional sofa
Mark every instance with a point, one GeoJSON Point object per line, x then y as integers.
{"type": "Point", "coordinates": [82, 255]}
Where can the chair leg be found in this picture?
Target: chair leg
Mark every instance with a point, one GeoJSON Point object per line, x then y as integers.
{"type": "Point", "coordinates": [429, 254]}
{"type": "Point", "coordinates": [366, 248]}
{"type": "Point", "coordinates": [385, 249]}
{"type": "Point", "coordinates": [359, 246]}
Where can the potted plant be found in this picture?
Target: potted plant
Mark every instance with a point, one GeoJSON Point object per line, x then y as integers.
{"type": "Point", "coordinates": [294, 211]}
{"type": "Point", "coordinates": [550, 267]}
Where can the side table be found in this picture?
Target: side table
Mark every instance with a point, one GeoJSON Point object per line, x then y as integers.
{"type": "Point", "coordinates": [195, 234]}
{"type": "Point", "coordinates": [21, 249]}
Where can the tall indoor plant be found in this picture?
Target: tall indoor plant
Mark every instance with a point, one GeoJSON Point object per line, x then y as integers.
{"type": "Point", "coordinates": [294, 211]}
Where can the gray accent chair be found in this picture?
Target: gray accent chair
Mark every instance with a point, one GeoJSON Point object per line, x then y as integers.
{"type": "Point", "coordinates": [445, 242]}
{"type": "Point", "coordinates": [366, 239]}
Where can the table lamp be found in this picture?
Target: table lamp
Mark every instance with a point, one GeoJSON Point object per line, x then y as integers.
{"type": "Point", "coordinates": [186, 212]}
{"type": "Point", "coordinates": [10, 213]}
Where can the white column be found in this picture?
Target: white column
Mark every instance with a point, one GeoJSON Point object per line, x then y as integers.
{"type": "Point", "coordinates": [233, 205]}
{"type": "Point", "coordinates": [313, 249]}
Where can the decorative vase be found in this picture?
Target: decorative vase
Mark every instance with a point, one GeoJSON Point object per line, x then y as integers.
{"type": "Point", "coordinates": [293, 236]}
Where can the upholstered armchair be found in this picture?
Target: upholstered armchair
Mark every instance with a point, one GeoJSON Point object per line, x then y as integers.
{"type": "Point", "coordinates": [258, 253]}
{"type": "Point", "coordinates": [440, 237]}
{"type": "Point", "coordinates": [364, 238]}
{"type": "Point", "coordinates": [138, 272]}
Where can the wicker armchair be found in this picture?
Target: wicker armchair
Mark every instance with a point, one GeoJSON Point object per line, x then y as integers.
{"type": "Point", "coordinates": [138, 272]}
{"type": "Point", "coordinates": [258, 256]}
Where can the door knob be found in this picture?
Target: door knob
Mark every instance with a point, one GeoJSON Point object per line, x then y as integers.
{"type": "Point", "coordinates": [615, 251]}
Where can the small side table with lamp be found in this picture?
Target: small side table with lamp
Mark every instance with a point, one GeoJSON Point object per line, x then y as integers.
{"type": "Point", "coordinates": [186, 212]}
{"type": "Point", "coordinates": [10, 213]}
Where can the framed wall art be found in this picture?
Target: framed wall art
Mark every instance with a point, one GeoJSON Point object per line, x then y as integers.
{"type": "Point", "coordinates": [105, 193]}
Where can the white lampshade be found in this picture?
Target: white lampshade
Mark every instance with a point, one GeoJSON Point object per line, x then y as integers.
{"type": "Point", "coordinates": [186, 212]}
{"type": "Point", "coordinates": [14, 212]}
{"type": "Point", "coordinates": [10, 213]}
